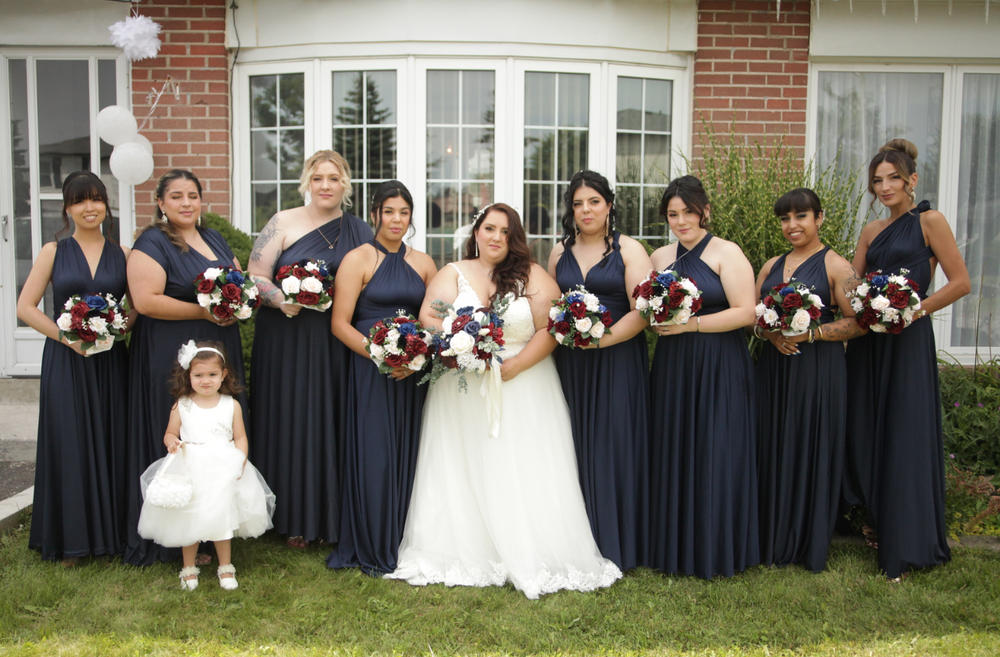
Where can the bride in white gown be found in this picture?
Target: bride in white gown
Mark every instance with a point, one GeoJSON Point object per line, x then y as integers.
{"type": "Point", "coordinates": [485, 509]}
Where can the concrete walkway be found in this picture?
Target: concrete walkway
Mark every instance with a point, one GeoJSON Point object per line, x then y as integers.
{"type": "Point", "coordinates": [18, 424]}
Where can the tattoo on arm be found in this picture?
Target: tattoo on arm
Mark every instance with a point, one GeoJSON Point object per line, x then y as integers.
{"type": "Point", "coordinates": [842, 329]}
{"type": "Point", "coordinates": [263, 239]}
{"type": "Point", "coordinates": [270, 294]}
{"type": "Point", "coordinates": [852, 282]}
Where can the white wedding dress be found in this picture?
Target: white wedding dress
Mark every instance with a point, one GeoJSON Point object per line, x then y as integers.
{"type": "Point", "coordinates": [488, 510]}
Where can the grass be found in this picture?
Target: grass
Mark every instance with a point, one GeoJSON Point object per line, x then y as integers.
{"type": "Point", "coordinates": [290, 604]}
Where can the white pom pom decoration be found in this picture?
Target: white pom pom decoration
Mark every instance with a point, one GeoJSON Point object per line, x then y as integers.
{"type": "Point", "coordinates": [116, 125]}
{"type": "Point", "coordinates": [136, 35]}
{"type": "Point", "coordinates": [131, 163]}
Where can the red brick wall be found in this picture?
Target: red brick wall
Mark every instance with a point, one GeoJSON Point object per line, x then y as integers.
{"type": "Point", "coordinates": [193, 132]}
{"type": "Point", "coordinates": [750, 71]}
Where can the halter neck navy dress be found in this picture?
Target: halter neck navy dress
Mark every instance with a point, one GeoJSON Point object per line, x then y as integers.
{"type": "Point", "coordinates": [298, 374]}
{"type": "Point", "coordinates": [802, 417]}
{"type": "Point", "coordinates": [895, 449]}
{"type": "Point", "coordinates": [607, 393]}
{"type": "Point", "coordinates": [153, 351]}
{"type": "Point", "coordinates": [79, 499]}
{"type": "Point", "coordinates": [381, 432]}
{"type": "Point", "coordinates": [703, 451]}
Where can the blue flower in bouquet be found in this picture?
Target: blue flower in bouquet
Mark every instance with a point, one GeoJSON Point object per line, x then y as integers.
{"type": "Point", "coordinates": [788, 289]}
{"type": "Point", "coordinates": [465, 310]}
{"type": "Point", "coordinates": [96, 302]}
{"type": "Point", "coordinates": [472, 328]}
{"type": "Point", "coordinates": [573, 297]}
{"type": "Point", "coordinates": [235, 277]}
{"type": "Point", "coordinates": [665, 279]}
{"type": "Point", "coordinates": [408, 329]}
{"type": "Point", "coordinates": [880, 280]}
{"type": "Point", "coordinates": [323, 271]}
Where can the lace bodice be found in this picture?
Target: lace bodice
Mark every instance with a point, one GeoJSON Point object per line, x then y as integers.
{"type": "Point", "coordinates": [518, 325]}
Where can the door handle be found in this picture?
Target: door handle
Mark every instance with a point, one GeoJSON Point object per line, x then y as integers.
{"type": "Point", "coordinates": [3, 227]}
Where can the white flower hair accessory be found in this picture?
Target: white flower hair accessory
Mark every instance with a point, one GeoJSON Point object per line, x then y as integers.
{"type": "Point", "coordinates": [189, 350]}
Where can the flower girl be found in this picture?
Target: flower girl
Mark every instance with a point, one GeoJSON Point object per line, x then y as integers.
{"type": "Point", "coordinates": [204, 489]}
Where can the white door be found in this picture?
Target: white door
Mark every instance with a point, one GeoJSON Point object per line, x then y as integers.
{"type": "Point", "coordinates": [48, 123]}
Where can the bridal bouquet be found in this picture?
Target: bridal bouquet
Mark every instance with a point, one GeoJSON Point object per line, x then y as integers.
{"type": "Point", "coordinates": [578, 318]}
{"type": "Point", "coordinates": [886, 303]}
{"type": "Point", "coordinates": [227, 293]}
{"type": "Point", "coordinates": [94, 320]}
{"type": "Point", "coordinates": [469, 341]}
{"type": "Point", "coordinates": [667, 298]}
{"type": "Point", "coordinates": [399, 341]}
{"type": "Point", "coordinates": [306, 283]}
{"type": "Point", "coordinates": [791, 308]}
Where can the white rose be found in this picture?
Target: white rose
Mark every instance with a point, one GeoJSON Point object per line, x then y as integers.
{"type": "Point", "coordinates": [880, 303]}
{"type": "Point", "coordinates": [800, 320]}
{"type": "Point", "coordinates": [212, 273]}
{"type": "Point", "coordinates": [898, 280]}
{"type": "Point", "coordinates": [641, 303]}
{"type": "Point", "coordinates": [908, 316]}
{"type": "Point", "coordinates": [311, 266]}
{"type": "Point", "coordinates": [856, 305]}
{"type": "Point", "coordinates": [68, 304]}
{"type": "Point", "coordinates": [204, 300]}
{"type": "Point", "coordinates": [559, 337]}
{"type": "Point", "coordinates": [771, 317]}
{"type": "Point", "coordinates": [216, 297]}
{"type": "Point", "coordinates": [861, 290]}
{"type": "Point", "coordinates": [688, 285]}
{"type": "Point", "coordinates": [597, 330]}
{"type": "Point", "coordinates": [682, 316]}
{"type": "Point", "coordinates": [462, 343]}
{"type": "Point", "coordinates": [291, 285]}
{"type": "Point", "coordinates": [815, 300]}
{"type": "Point", "coordinates": [583, 324]}
{"type": "Point", "coordinates": [418, 362]}
{"type": "Point", "coordinates": [554, 313]}
{"type": "Point", "coordinates": [377, 352]}
{"type": "Point", "coordinates": [64, 322]}
{"type": "Point", "coordinates": [890, 315]}
{"type": "Point", "coordinates": [98, 324]}
{"type": "Point", "coordinates": [392, 337]}
{"type": "Point", "coordinates": [446, 324]}
{"type": "Point", "coordinates": [119, 321]}
{"type": "Point", "coordinates": [656, 303]}
{"type": "Point", "coordinates": [469, 362]}
{"type": "Point", "coordinates": [251, 292]}
{"type": "Point", "coordinates": [312, 284]}
{"type": "Point", "coordinates": [244, 312]}
{"type": "Point", "coordinates": [759, 310]}
{"type": "Point", "coordinates": [590, 300]}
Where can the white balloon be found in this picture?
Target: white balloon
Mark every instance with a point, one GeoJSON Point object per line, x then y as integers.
{"type": "Point", "coordinates": [142, 141]}
{"type": "Point", "coordinates": [131, 163]}
{"type": "Point", "coordinates": [116, 125]}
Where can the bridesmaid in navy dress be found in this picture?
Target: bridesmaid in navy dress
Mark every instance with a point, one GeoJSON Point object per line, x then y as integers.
{"type": "Point", "coordinates": [802, 383]}
{"type": "Point", "coordinates": [298, 368]}
{"type": "Point", "coordinates": [382, 413]}
{"type": "Point", "coordinates": [895, 455]}
{"type": "Point", "coordinates": [606, 387]}
{"type": "Point", "coordinates": [703, 424]}
{"type": "Point", "coordinates": [79, 501]}
{"type": "Point", "coordinates": [166, 258]}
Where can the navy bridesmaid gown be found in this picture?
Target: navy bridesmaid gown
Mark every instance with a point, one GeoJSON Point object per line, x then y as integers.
{"type": "Point", "coordinates": [607, 393]}
{"type": "Point", "coordinates": [153, 349]}
{"type": "Point", "coordinates": [79, 499]}
{"type": "Point", "coordinates": [895, 446]}
{"type": "Point", "coordinates": [703, 451]}
{"type": "Point", "coordinates": [298, 377]}
{"type": "Point", "coordinates": [381, 431]}
{"type": "Point", "coordinates": [801, 424]}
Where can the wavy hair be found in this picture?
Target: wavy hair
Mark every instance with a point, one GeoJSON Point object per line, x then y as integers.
{"type": "Point", "coordinates": [512, 274]}
{"type": "Point", "coordinates": [598, 183]}
{"type": "Point", "coordinates": [690, 190]}
{"type": "Point", "coordinates": [901, 154]}
{"type": "Point", "coordinates": [385, 191]}
{"type": "Point", "coordinates": [335, 158]}
{"type": "Point", "coordinates": [162, 223]}
{"type": "Point", "coordinates": [180, 378]}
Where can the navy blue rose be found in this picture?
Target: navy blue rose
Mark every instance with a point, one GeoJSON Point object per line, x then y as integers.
{"type": "Point", "coordinates": [235, 277]}
{"type": "Point", "coordinates": [407, 329]}
{"type": "Point", "coordinates": [788, 289]}
{"type": "Point", "coordinates": [465, 310]}
{"type": "Point", "coordinates": [472, 328]}
{"type": "Point", "coordinates": [665, 279]}
{"type": "Point", "coordinates": [880, 281]}
{"type": "Point", "coordinates": [96, 302]}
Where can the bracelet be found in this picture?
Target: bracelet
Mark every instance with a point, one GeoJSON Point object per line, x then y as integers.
{"type": "Point", "coordinates": [810, 336]}
{"type": "Point", "coordinates": [698, 321]}
{"type": "Point", "coordinates": [819, 332]}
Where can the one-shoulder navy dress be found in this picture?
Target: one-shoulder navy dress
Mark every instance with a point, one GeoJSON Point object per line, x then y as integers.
{"type": "Point", "coordinates": [895, 449]}
{"type": "Point", "coordinates": [802, 417]}
{"type": "Point", "coordinates": [703, 451]}
{"type": "Point", "coordinates": [607, 393]}
{"type": "Point", "coordinates": [153, 351]}
{"type": "Point", "coordinates": [79, 499]}
{"type": "Point", "coordinates": [298, 375]}
{"type": "Point", "coordinates": [381, 432]}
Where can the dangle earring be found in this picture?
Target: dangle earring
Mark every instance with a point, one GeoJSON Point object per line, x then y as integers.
{"type": "Point", "coordinates": [475, 248]}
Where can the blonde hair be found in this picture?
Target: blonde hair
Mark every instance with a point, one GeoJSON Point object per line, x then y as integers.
{"type": "Point", "coordinates": [335, 158]}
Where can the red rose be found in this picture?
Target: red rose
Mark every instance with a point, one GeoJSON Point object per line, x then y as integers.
{"type": "Point", "coordinates": [300, 272]}
{"type": "Point", "coordinates": [606, 318]}
{"type": "Point", "coordinates": [415, 345]}
{"type": "Point", "coordinates": [550, 324]}
{"type": "Point", "coordinates": [899, 299]}
{"type": "Point", "coordinates": [76, 322]}
{"type": "Point", "coordinates": [696, 305]}
{"type": "Point", "coordinates": [867, 318]}
{"type": "Point", "coordinates": [395, 360]}
{"type": "Point", "coordinates": [768, 301]}
{"type": "Point", "coordinates": [380, 334]}
{"type": "Point", "coordinates": [205, 286]}
{"type": "Point", "coordinates": [814, 312]}
{"type": "Point", "coordinates": [579, 309]}
{"type": "Point", "coordinates": [792, 301]}
{"type": "Point", "coordinates": [562, 327]}
{"type": "Point", "coordinates": [896, 327]}
{"type": "Point", "coordinates": [307, 298]}
{"type": "Point", "coordinates": [675, 295]}
{"type": "Point", "coordinates": [231, 292]}
{"type": "Point", "coordinates": [401, 320]}
{"type": "Point", "coordinates": [223, 311]}
{"type": "Point", "coordinates": [663, 315]}
{"type": "Point", "coordinates": [79, 310]}
{"type": "Point", "coordinates": [459, 323]}
{"type": "Point", "coordinates": [891, 288]}
{"type": "Point", "coordinates": [111, 316]}
{"type": "Point", "coordinates": [580, 341]}
{"type": "Point", "coordinates": [86, 334]}
{"type": "Point", "coordinates": [644, 290]}
{"type": "Point", "coordinates": [283, 272]}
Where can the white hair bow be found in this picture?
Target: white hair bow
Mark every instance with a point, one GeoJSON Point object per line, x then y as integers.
{"type": "Point", "coordinates": [186, 353]}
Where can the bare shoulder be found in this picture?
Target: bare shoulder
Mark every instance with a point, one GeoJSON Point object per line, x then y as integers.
{"type": "Point", "coordinates": [48, 250]}
{"type": "Point", "coordinates": [664, 255]}
{"type": "Point", "coordinates": [632, 248]}
{"type": "Point", "coordinates": [838, 265]}
{"type": "Point", "coordinates": [932, 218]}
{"type": "Point", "coordinates": [359, 255]}
{"type": "Point", "coordinates": [870, 230]}
{"type": "Point", "coordinates": [724, 248]}
{"type": "Point", "coordinates": [539, 281]}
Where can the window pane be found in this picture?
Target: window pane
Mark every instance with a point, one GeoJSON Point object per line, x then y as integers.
{"type": "Point", "coordinates": [540, 99]}
{"type": "Point", "coordinates": [292, 99]}
{"type": "Point", "coordinates": [63, 127]}
{"type": "Point", "coordinates": [349, 142]}
{"type": "Point", "coordinates": [627, 210]}
{"type": "Point", "coordinates": [347, 98]}
{"type": "Point", "coordinates": [541, 216]}
{"type": "Point", "coordinates": [443, 207]}
{"type": "Point", "coordinates": [263, 101]}
{"type": "Point", "coordinates": [363, 127]}
{"type": "Point", "coordinates": [629, 103]}
{"type": "Point", "coordinates": [653, 224]}
{"type": "Point", "coordinates": [539, 154]}
{"type": "Point", "coordinates": [477, 97]}
{"type": "Point", "coordinates": [975, 318]}
{"type": "Point", "coordinates": [574, 100]}
{"type": "Point", "coordinates": [442, 153]}
{"type": "Point", "coordinates": [477, 153]}
{"type": "Point", "coordinates": [263, 155]}
{"type": "Point", "coordinates": [290, 197]}
{"type": "Point", "coordinates": [265, 204]}
{"type": "Point", "coordinates": [656, 159]}
{"type": "Point", "coordinates": [572, 153]}
{"type": "Point", "coordinates": [658, 101]}
{"type": "Point", "coordinates": [442, 97]}
{"type": "Point", "coordinates": [381, 153]}
{"type": "Point", "coordinates": [292, 156]}
{"type": "Point", "coordinates": [628, 163]}
{"type": "Point", "coordinates": [381, 101]}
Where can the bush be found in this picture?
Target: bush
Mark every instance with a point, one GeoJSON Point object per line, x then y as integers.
{"type": "Point", "coordinates": [970, 410]}
{"type": "Point", "coordinates": [971, 500]}
{"type": "Point", "coordinates": [241, 244]}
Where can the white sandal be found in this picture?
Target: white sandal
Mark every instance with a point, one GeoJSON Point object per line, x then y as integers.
{"type": "Point", "coordinates": [189, 578]}
{"type": "Point", "coordinates": [229, 583]}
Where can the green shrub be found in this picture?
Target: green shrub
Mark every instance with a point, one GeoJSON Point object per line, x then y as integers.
{"type": "Point", "coordinates": [972, 501]}
{"type": "Point", "coordinates": [241, 244]}
{"type": "Point", "coordinates": [970, 405]}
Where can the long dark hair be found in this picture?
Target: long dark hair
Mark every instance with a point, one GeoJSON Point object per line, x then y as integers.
{"type": "Point", "coordinates": [690, 190]}
{"type": "Point", "coordinates": [82, 186]}
{"type": "Point", "coordinates": [901, 154]}
{"type": "Point", "coordinates": [512, 274]}
{"type": "Point", "coordinates": [598, 183]}
{"type": "Point", "coordinates": [385, 191]}
{"type": "Point", "coordinates": [180, 378]}
{"type": "Point", "coordinates": [161, 223]}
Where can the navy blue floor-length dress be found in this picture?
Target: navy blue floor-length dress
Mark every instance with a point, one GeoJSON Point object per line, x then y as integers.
{"type": "Point", "coordinates": [607, 393]}
{"type": "Point", "coordinates": [298, 375]}
{"type": "Point", "coordinates": [703, 446]}
{"type": "Point", "coordinates": [802, 417]}
{"type": "Point", "coordinates": [153, 352]}
{"type": "Point", "coordinates": [895, 449]}
{"type": "Point", "coordinates": [381, 431]}
{"type": "Point", "coordinates": [79, 498]}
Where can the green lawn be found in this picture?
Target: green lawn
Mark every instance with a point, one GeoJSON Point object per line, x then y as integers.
{"type": "Point", "coordinates": [290, 604]}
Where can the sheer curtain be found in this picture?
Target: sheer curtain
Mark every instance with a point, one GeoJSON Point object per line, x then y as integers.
{"type": "Point", "coordinates": [859, 111]}
{"type": "Point", "coordinates": [976, 318]}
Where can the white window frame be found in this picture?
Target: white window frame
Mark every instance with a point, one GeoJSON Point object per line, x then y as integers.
{"type": "Point", "coordinates": [948, 173]}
